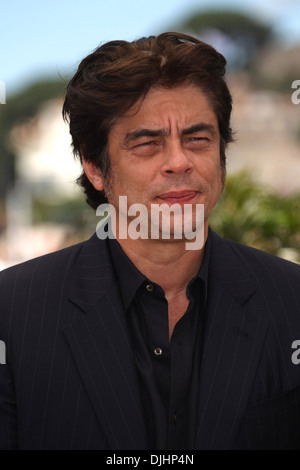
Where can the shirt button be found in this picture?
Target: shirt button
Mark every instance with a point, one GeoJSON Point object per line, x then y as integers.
{"type": "Point", "coordinates": [149, 287]}
{"type": "Point", "coordinates": [158, 351]}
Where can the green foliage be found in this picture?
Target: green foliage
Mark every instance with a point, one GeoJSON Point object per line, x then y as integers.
{"type": "Point", "coordinates": [249, 214]}
{"type": "Point", "coordinates": [247, 33]}
{"type": "Point", "coordinates": [232, 23]}
{"type": "Point", "coordinates": [73, 212]}
{"type": "Point", "coordinates": [25, 104]}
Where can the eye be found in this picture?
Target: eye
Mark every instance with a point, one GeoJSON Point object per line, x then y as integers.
{"type": "Point", "coordinates": [198, 139]}
{"type": "Point", "coordinates": [145, 144]}
{"type": "Point", "coordinates": [146, 148]}
{"type": "Point", "coordinates": [197, 143]}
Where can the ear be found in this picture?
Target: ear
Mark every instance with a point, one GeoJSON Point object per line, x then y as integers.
{"type": "Point", "coordinates": [94, 174]}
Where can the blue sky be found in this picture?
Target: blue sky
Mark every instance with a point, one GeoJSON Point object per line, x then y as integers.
{"type": "Point", "coordinates": [51, 37]}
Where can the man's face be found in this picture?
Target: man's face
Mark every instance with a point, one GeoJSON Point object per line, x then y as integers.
{"type": "Point", "coordinates": [166, 150]}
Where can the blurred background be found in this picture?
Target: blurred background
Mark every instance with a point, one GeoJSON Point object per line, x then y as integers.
{"type": "Point", "coordinates": [42, 43]}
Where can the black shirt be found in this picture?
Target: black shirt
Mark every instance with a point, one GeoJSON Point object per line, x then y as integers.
{"type": "Point", "coordinates": [168, 371]}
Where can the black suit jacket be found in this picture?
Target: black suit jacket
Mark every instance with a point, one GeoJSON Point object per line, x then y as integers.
{"type": "Point", "coordinates": [70, 381]}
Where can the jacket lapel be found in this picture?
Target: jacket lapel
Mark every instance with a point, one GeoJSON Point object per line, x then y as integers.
{"type": "Point", "coordinates": [233, 341]}
{"type": "Point", "coordinates": [100, 346]}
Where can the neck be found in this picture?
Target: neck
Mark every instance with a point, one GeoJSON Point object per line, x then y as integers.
{"type": "Point", "coordinates": [166, 263]}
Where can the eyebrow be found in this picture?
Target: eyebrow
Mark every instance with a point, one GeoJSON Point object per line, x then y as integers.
{"type": "Point", "coordinates": [200, 127]}
{"type": "Point", "coordinates": [134, 135]}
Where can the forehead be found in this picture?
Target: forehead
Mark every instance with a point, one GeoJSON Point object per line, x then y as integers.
{"type": "Point", "coordinates": [168, 107]}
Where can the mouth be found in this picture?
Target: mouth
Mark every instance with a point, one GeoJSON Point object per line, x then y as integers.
{"type": "Point", "coordinates": [178, 197]}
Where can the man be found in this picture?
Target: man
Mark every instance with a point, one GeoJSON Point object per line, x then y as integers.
{"type": "Point", "coordinates": [139, 342]}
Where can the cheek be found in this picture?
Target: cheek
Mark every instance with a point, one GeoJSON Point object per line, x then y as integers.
{"type": "Point", "coordinates": [211, 171]}
{"type": "Point", "coordinates": [218, 185]}
{"type": "Point", "coordinates": [129, 180]}
{"type": "Point", "coordinates": [219, 173]}
{"type": "Point", "coordinates": [140, 174]}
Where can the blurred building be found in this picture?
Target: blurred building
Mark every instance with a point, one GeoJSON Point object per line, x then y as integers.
{"type": "Point", "coordinates": [43, 145]}
{"type": "Point", "coordinates": [46, 169]}
{"type": "Point", "coordinates": [267, 132]}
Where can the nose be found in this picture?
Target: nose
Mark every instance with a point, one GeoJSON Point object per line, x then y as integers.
{"type": "Point", "coordinates": [176, 160]}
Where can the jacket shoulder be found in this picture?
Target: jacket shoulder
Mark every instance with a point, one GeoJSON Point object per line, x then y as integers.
{"type": "Point", "coordinates": [255, 258]}
{"type": "Point", "coordinates": [58, 262]}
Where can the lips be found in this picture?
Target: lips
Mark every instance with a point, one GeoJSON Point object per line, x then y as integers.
{"type": "Point", "coordinates": [178, 196]}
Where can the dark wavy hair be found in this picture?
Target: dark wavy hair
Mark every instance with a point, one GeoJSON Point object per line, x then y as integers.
{"type": "Point", "coordinates": [117, 74]}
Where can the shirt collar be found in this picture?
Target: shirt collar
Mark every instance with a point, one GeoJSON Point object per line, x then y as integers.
{"type": "Point", "coordinates": [202, 274]}
{"type": "Point", "coordinates": [128, 276]}
{"type": "Point", "coordinates": [130, 279]}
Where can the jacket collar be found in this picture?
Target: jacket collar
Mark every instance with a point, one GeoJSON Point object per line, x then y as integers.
{"type": "Point", "coordinates": [93, 274]}
{"type": "Point", "coordinates": [228, 267]}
